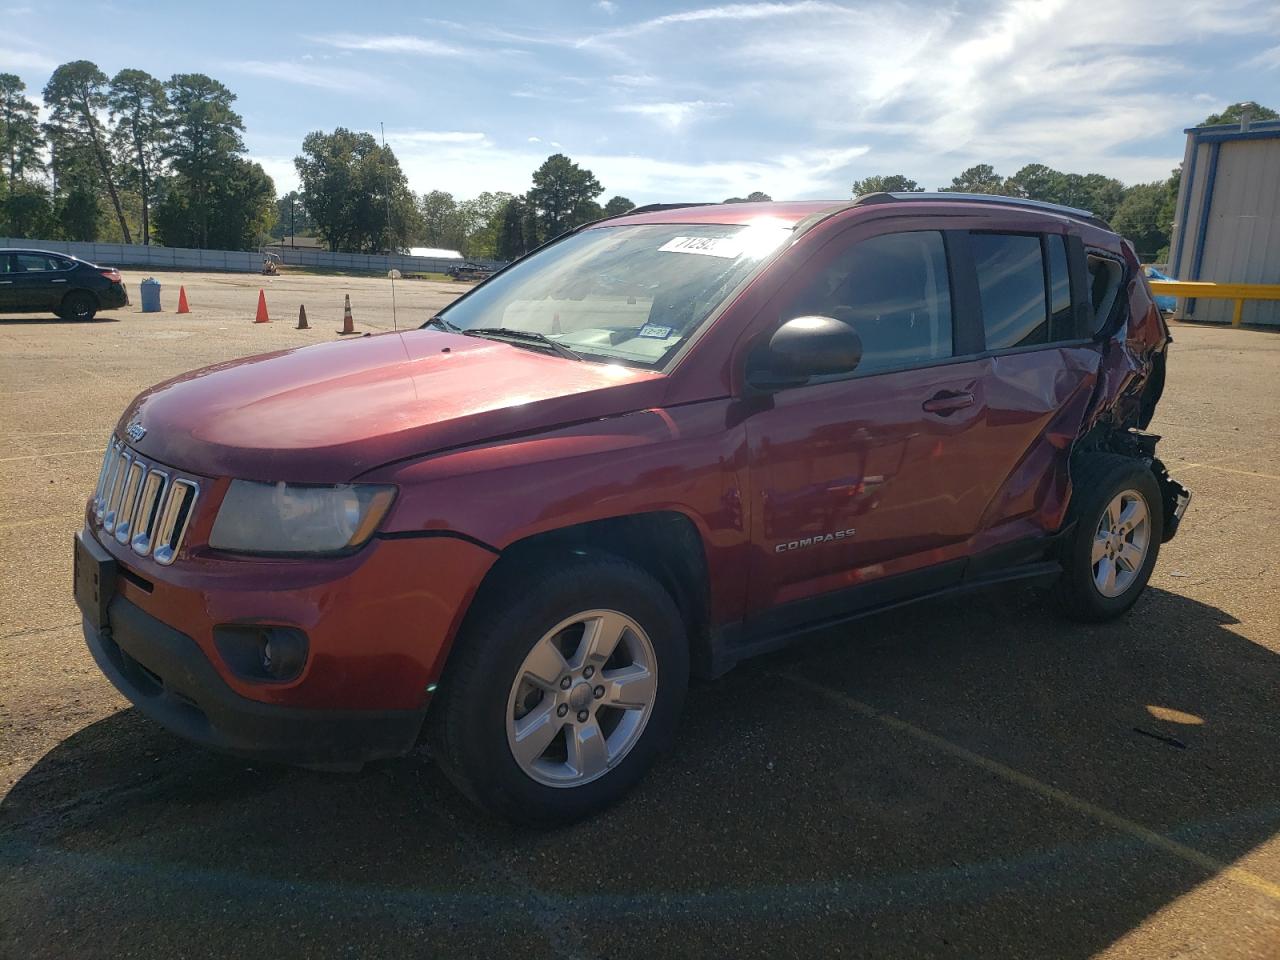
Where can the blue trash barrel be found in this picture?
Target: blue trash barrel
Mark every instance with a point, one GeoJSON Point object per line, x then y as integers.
{"type": "Point", "coordinates": [150, 295]}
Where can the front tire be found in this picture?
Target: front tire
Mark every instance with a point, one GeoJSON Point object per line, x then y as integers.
{"type": "Point", "coordinates": [564, 686]}
{"type": "Point", "coordinates": [1119, 524]}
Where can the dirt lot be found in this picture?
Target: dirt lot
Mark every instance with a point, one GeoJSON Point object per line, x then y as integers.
{"type": "Point", "coordinates": [970, 778]}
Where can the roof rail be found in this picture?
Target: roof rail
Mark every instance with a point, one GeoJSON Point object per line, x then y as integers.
{"type": "Point", "coordinates": [943, 195]}
{"type": "Point", "coordinates": [655, 207]}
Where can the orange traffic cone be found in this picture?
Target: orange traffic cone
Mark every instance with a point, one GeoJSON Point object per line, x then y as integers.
{"type": "Point", "coordinates": [182, 300]}
{"type": "Point", "coordinates": [348, 324]}
{"type": "Point", "coordinates": [262, 308]}
{"type": "Point", "coordinates": [302, 318]}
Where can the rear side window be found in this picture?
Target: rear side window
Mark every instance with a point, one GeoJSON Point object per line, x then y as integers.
{"type": "Point", "coordinates": [1104, 283]}
{"type": "Point", "coordinates": [1011, 286]}
{"type": "Point", "coordinates": [32, 263]}
{"type": "Point", "coordinates": [1062, 324]}
{"type": "Point", "coordinates": [894, 290]}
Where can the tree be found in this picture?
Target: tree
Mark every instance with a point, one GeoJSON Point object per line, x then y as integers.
{"type": "Point", "coordinates": [510, 242]}
{"type": "Point", "coordinates": [76, 95]}
{"type": "Point", "coordinates": [1234, 112]}
{"type": "Point", "coordinates": [756, 196]}
{"type": "Point", "coordinates": [20, 138]}
{"type": "Point", "coordinates": [442, 225]}
{"type": "Point", "coordinates": [563, 196]}
{"type": "Point", "coordinates": [292, 217]}
{"type": "Point", "coordinates": [1140, 219]}
{"type": "Point", "coordinates": [618, 206]}
{"type": "Point", "coordinates": [1035, 181]}
{"type": "Point", "coordinates": [140, 110]}
{"type": "Point", "coordinates": [356, 193]}
{"type": "Point", "coordinates": [203, 140]}
{"type": "Point", "coordinates": [26, 211]}
{"type": "Point", "coordinates": [981, 178]}
{"type": "Point", "coordinates": [242, 194]}
{"type": "Point", "coordinates": [481, 220]}
{"type": "Point", "coordinates": [892, 183]}
{"type": "Point", "coordinates": [530, 227]}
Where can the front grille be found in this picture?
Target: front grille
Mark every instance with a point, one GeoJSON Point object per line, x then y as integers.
{"type": "Point", "coordinates": [143, 505]}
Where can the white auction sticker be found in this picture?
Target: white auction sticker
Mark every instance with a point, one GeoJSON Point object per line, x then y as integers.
{"type": "Point", "coordinates": [725, 247]}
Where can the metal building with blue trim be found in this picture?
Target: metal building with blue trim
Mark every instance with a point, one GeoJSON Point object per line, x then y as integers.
{"type": "Point", "coordinates": [1227, 221]}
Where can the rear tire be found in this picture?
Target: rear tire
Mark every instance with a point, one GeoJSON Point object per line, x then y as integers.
{"type": "Point", "coordinates": [78, 306]}
{"type": "Point", "coordinates": [1109, 555]}
{"type": "Point", "coordinates": [563, 687]}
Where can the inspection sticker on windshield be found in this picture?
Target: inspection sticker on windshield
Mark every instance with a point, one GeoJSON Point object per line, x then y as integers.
{"type": "Point", "coordinates": [655, 330]}
{"type": "Point", "coordinates": [726, 247]}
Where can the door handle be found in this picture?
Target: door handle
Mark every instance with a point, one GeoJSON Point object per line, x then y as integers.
{"type": "Point", "coordinates": [59, 281]}
{"type": "Point", "coordinates": [947, 402]}
{"type": "Point", "coordinates": [5, 283]}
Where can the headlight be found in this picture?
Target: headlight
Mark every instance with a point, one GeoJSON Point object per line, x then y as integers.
{"type": "Point", "coordinates": [289, 518]}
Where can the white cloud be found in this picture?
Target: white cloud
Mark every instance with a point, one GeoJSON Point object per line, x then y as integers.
{"type": "Point", "coordinates": [608, 6]}
{"type": "Point", "coordinates": [435, 136]}
{"type": "Point", "coordinates": [1266, 60]}
{"type": "Point", "coordinates": [390, 43]}
{"type": "Point", "coordinates": [281, 170]}
{"type": "Point", "coordinates": [672, 115]}
{"type": "Point", "coordinates": [325, 78]}
{"type": "Point", "coordinates": [15, 60]}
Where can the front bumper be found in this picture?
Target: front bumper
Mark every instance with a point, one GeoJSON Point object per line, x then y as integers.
{"type": "Point", "coordinates": [167, 676]}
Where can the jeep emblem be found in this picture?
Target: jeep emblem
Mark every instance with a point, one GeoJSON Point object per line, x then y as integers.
{"type": "Point", "coordinates": [135, 431]}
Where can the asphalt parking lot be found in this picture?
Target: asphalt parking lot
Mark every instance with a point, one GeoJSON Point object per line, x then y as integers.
{"type": "Point", "coordinates": [967, 778]}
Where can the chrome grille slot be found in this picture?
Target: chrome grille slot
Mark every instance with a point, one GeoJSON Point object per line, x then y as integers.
{"type": "Point", "coordinates": [147, 513]}
{"type": "Point", "coordinates": [116, 493]}
{"type": "Point", "coordinates": [107, 460]}
{"type": "Point", "coordinates": [174, 519]}
{"type": "Point", "coordinates": [107, 479]}
{"type": "Point", "coordinates": [129, 500]}
{"type": "Point", "coordinates": [141, 505]}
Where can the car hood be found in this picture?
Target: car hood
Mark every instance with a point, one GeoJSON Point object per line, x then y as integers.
{"type": "Point", "coordinates": [330, 412]}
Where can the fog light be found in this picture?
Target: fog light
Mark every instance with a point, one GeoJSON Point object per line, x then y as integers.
{"type": "Point", "coordinates": [261, 652]}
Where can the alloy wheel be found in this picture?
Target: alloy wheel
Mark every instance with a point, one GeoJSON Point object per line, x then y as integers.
{"type": "Point", "coordinates": [1120, 543]}
{"type": "Point", "coordinates": [581, 699]}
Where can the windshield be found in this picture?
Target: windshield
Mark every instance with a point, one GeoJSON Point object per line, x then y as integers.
{"type": "Point", "coordinates": [629, 294]}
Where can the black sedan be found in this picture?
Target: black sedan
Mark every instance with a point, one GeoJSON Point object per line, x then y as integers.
{"type": "Point", "coordinates": [37, 281]}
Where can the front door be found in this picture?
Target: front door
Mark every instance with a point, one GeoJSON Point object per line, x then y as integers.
{"type": "Point", "coordinates": [37, 283]}
{"type": "Point", "coordinates": [8, 299]}
{"type": "Point", "coordinates": [878, 473]}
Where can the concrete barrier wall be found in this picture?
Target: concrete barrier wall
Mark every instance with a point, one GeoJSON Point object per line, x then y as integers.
{"type": "Point", "coordinates": [244, 261]}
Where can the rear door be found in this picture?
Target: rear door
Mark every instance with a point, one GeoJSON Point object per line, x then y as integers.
{"type": "Point", "coordinates": [1040, 374]}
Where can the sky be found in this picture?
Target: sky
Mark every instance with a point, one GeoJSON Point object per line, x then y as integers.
{"type": "Point", "coordinates": [686, 101]}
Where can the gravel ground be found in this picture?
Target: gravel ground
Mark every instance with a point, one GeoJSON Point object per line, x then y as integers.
{"type": "Point", "coordinates": [966, 778]}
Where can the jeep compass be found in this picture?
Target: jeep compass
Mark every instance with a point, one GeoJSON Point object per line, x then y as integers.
{"type": "Point", "coordinates": [660, 444]}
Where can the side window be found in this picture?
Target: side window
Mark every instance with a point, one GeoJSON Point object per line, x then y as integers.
{"type": "Point", "coordinates": [1104, 283]}
{"type": "Point", "coordinates": [31, 263]}
{"type": "Point", "coordinates": [60, 263]}
{"type": "Point", "coordinates": [894, 290]}
{"type": "Point", "coordinates": [6, 262]}
{"type": "Point", "coordinates": [1011, 287]}
{"type": "Point", "coordinates": [1062, 324]}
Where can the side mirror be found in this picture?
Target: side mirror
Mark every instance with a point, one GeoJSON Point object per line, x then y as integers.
{"type": "Point", "coordinates": [807, 347]}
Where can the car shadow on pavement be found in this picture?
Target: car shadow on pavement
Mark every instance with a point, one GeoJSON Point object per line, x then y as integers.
{"type": "Point", "coordinates": [969, 777]}
{"type": "Point", "coordinates": [50, 319]}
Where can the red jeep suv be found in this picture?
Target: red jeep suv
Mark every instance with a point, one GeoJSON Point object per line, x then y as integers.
{"type": "Point", "coordinates": [662, 443]}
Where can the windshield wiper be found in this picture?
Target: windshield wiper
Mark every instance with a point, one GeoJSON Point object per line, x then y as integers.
{"type": "Point", "coordinates": [506, 333]}
{"type": "Point", "coordinates": [443, 324]}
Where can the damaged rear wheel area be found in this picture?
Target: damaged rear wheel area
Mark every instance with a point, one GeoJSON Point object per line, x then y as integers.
{"type": "Point", "coordinates": [1118, 524]}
